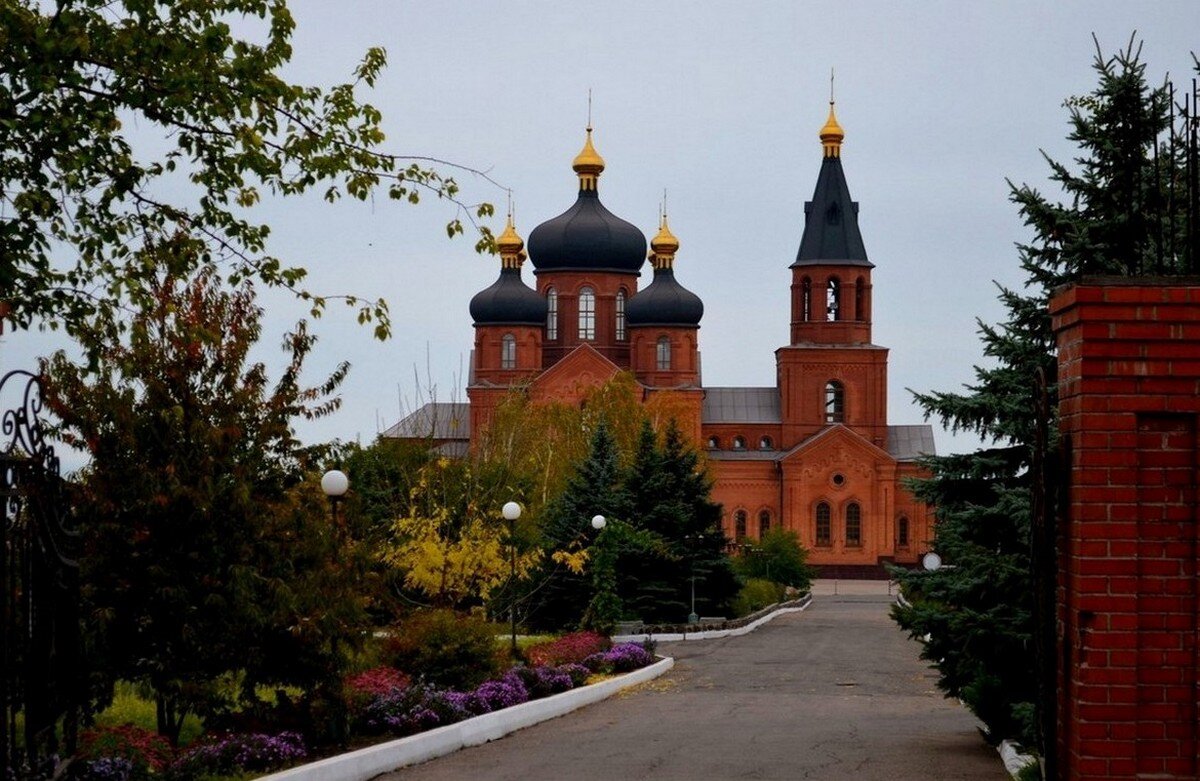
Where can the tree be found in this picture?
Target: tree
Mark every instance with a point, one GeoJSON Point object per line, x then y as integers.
{"type": "Point", "coordinates": [670, 497]}
{"type": "Point", "coordinates": [193, 465]}
{"type": "Point", "coordinates": [80, 191]}
{"type": "Point", "coordinates": [1118, 217]}
{"type": "Point", "coordinates": [449, 540]}
{"type": "Point", "coordinates": [594, 489]}
{"type": "Point", "coordinates": [780, 558]}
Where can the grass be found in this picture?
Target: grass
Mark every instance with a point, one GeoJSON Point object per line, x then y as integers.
{"type": "Point", "coordinates": [133, 704]}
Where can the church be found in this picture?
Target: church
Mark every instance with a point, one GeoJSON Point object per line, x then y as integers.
{"type": "Point", "coordinates": [814, 453]}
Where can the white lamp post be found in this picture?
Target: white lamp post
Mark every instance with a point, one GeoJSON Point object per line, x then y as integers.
{"type": "Point", "coordinates": [599, 522]}
{"type": "Point", "coordinates": [335, 484]}
{"type": "Point", "coordinates": [511, 512]}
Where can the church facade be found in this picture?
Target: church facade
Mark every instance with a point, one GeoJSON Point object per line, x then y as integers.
{"type": "Point", "coordinates": [814, 453]}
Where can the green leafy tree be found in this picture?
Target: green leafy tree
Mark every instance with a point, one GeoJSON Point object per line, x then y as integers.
{"type": "Point", "coordinates": [217, 128]}
{"type": "Point", "coordinates": [778, 557]}
{"type": "Point", "coordinates": [1116, 218]}
{"type": "Point", "coordinates": [194, 467]}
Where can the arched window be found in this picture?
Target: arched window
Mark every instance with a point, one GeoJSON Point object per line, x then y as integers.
{"type": "Point", "coordinates": [860, 312]}
{"type": "Point", "coordinates": [739, 524]}
{"type": "Point", "coordinates": [714, 442]}
{"type": "Point", "coordinates": [853, 525]}
{"type": "Point", "coordinates": [664, 353]}
{"type": "Point", "coordinates": [508, 352]}
{"type": "Point", "coordinates": [902, 532]}
{"type": "Point", "coordinates": [824, 530]}
{"type": "Point", "coordinates": [764, 523]}
{"type": "Point", "coordinates": [835, 402]}
{"type": "Point", "coordinates": [621, 315]}
{"type": "Point", "coordinates": [806, 299]}
{"type": "Point", "coordinates": [833, 299]}
{"type": "Point", "coordinates": [551, 314]}
{"type": "Point", "coordinates": [765, 443]}
{"type": "Point", "coordinates": [587, 314]}
{"type": "Point", "coordinates": [739, 442]}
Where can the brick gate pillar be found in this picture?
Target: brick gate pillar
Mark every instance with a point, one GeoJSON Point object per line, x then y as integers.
{"type": "Point", "coordinates": [1129, 404]}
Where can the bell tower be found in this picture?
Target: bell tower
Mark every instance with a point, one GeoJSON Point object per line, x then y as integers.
{"type": "Point", "coordinates": [831, 373]}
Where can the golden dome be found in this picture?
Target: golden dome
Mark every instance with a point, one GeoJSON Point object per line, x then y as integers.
{"type": "Point", "coordinates": [832, 134]}
{"type": "Point", "coordinates": [588, 161]}
{"type": "Point", "coordinates": [664, 242]}
{"type": "Point", "coordinates": [508, 242]}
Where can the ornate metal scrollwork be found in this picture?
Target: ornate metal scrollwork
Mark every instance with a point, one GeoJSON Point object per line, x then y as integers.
{"type": "Point", "coordinates": [39, 573]}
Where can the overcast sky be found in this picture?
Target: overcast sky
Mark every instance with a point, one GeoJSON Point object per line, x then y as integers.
{"type": "Point", "coordinates": [720, 104]}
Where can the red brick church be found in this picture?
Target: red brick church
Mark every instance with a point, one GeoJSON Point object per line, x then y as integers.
{"type": "Point", "coordinates": [815, 453]}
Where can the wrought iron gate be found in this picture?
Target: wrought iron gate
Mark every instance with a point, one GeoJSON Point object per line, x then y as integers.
{"type": "Point", "coordinates": [41, 679]}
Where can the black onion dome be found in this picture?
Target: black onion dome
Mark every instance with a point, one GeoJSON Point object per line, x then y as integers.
{"type": "Point", "coordinates": [587, 237]}
{"type": "Point", "coordinates": [664, 302]}
{"type": "Point", "coordinates": [508, 302]}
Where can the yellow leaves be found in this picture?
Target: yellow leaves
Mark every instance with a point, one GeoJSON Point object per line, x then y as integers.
{"type": "Point", "coordinates": [449, 559]}
{"type": "Point", "coordinates": [575, 561]}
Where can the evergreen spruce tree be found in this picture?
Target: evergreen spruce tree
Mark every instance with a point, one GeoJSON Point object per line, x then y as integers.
{"type": "Point", "coordinates": [1117, 217]}
{"type": "Point", "coordinates": [561, 596]}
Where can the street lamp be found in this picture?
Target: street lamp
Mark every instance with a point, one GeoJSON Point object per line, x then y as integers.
{"type": "Point", "coordinates": [694, 540]}
{"type": "Point", "coordinates": [599, 522]}
{"type": "Point", "coordinates": [511, 512]}
{"type": "Point", "coordinates": [335, 484]}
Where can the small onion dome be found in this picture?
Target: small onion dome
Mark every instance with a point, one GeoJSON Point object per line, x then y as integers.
{"type": "Point", "coordinates": [664, 242]}
{"type": "Point", "coordinates": [832, 135]}
{"type": "Point", "coordinates": [587, 236]}
{"type": "Point", "coordinates": [588, 161]}
{"type": "Point", "coordinates": [508, 242]}
{"type": "Point", "coordinates": [508, 301]}
{"type": "Point", "coordinates": [664, 302]}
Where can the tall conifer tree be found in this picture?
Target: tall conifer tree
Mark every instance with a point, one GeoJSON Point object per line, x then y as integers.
{"type": "Point", "coordinates": [1117, 217]}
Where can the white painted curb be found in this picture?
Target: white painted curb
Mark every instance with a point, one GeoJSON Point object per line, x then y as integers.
{"type": "Point", "coordinates": [369, 762]}
{"type": "Point", "coordinates": [1014, 760]}
{"type": "Point", "coordinates": [715, 633]}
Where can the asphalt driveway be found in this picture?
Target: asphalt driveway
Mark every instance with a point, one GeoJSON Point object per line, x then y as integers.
{"type": "Point", "coordinates": [834, 693]}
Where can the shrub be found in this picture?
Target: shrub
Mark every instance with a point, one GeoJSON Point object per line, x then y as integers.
{"type": "Point", "coordinates": [756, 594]}
{"type": "Point", "coordinates": [499, 694]}
{"type": "Point", "coordinates": [104, 769]}
{"type": "Point", "coordinates": [412, 710]}
{"type": "Point", "coordinates": [239, 753]}
{"type": "Point", "coordinates": [620, 658]}
{"type": "Point", "coordinates": [568, 649]}
{"type": "Point", "coordinates": [445, 648]}
{"type": "Point", "coordinates": [144, 750]}
{"type": "Point", "coordinates": [576, 672]}
{"type": "Point", "coordinates": [544, 681]}
{"type": "Point", "coordinates": [369, 684]}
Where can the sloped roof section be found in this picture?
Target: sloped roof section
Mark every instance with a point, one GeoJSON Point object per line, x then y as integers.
{"type": "Point", "coordinates": [831, 234]}
{"type": "Point", "coordinates": [435, 420]}
{"type": "Point", "coordinates": [907, 443]}
{"type": "Point", "coordinates": [740, 405]}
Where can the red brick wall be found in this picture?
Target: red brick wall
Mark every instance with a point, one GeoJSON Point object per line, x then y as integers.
{"type": "Point", "coordinates": [1129, 384]}
{"type": "Point", "coordinates": [606, 284]}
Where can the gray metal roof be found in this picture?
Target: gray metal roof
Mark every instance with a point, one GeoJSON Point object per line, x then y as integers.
{"type": "Point", "coordinates": [435, 420]}
{"type": "Point", "coordinates": [906, 443]}
{"type": "Point", "coordinates": [740, 405]}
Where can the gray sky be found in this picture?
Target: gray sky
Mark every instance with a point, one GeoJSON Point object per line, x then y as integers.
{"type": "Point", "coordinates": [720, 104]}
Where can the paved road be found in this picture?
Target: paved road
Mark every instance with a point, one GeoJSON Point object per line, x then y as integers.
{"type": "Point", "coordinates": [834, 693]}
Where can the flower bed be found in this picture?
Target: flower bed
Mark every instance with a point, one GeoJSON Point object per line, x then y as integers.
{"type": "Point", "coordinates": [406, 709]}
{"type": "Point", "coordinates": [381, 702]}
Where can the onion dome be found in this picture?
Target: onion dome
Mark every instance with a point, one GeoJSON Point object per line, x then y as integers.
{"type": "Point", "coordinates": [587, 236]}
{"type": "Point", "coordinates": [508, 301]}
{"type": "Point", "coordinates": [664, 301]}
{"type": "Point", "coordinates": [832, 135]}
